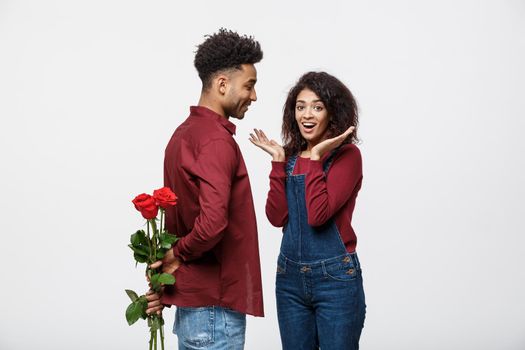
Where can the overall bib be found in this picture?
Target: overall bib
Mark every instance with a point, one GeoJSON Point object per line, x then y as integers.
{"type": "Point", "coordinates": [319, 287]}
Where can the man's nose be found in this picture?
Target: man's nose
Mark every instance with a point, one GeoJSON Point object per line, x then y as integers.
{"type": "Point", "coordinates": [253, 95]}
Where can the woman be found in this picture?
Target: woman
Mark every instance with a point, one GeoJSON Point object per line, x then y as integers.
{"type": "Point", "coordinates": [314, 182]}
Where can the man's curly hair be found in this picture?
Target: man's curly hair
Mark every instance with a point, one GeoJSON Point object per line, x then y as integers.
{"type": "Point", "coordinates": [225, 50]}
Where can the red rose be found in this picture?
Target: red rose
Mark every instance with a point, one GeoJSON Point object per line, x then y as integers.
{"type": "Point", "coordinates": [146, 205]}
{"type": "Point", "coordinates": [165, 197]}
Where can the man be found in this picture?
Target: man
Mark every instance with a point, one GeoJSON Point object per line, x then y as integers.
{"type": "Point", "coordinates": [216, 260]}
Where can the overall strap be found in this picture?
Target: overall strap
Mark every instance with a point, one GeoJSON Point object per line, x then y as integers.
{"type": "Point", "coordinates": [290, 165]}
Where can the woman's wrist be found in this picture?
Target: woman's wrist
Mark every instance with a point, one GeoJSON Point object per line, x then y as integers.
{"type": "Point", "coordinates": [315, 156]}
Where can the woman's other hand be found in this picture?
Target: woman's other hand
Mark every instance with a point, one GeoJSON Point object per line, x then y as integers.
{"type": "Point", "coordinates": [329, 144]}
{"type": "Point", "coordinates": [269, 146]}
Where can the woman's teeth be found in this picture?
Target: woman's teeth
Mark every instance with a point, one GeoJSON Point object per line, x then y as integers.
{"type": "Point", "coordinates": [308, 125]}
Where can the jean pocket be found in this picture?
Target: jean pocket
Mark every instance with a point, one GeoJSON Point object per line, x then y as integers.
{"type": "Point", "coordinates": [235, 326]}
{"type": "Point", "coordinates": [281, 267]}
{"type": "Point", "coordinates": [342, 272]}
{"type": "Point", "coordinates": [194, 326]}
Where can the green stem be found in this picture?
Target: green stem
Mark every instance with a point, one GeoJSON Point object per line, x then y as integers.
{"type": "Point", "coordinates": [161, 220]}
{"type": "Point", "coordinates": [154, 238]}
{"type": "Point", "coordinates": [155, 340]}
{"type": "Point", "coordinates": [149, 243]}
{"type": "Point", "coordinates": [151, 341]}
{"type": "Point", "coordinates": [161, 335]}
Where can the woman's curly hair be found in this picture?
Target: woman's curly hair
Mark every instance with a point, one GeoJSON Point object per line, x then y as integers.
{"type": "Point", "coordinates": [338, 100]}
{"type": "Point", "coordinates": [225, 50]}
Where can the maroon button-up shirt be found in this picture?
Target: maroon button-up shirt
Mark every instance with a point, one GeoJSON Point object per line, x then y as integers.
{"type": "Point", "coordinates": [214, 217]}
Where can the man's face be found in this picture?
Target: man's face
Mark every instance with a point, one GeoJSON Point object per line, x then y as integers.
{"type": "Point", "coordinates": [240, 92]}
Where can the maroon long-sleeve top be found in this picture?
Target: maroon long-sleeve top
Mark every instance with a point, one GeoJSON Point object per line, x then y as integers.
{"type": "Point", "coordinates": [214, 217]}
{"type": "Point", "coordinates": [330, 196]}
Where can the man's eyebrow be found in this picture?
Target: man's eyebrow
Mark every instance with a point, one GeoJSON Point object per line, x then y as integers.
{"type": "Point", "coordinates": [252, 81]}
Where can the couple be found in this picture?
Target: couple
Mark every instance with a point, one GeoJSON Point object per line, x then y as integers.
{"type": "Point", "coordinates": [314, 182]}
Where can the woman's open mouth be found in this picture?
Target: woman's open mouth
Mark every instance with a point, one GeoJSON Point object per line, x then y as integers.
{"type": "Point", "coordinates": [308, 127]}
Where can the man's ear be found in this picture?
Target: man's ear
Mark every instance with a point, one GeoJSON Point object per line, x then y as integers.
{"type": "Point", "coordinates": [220, 83]}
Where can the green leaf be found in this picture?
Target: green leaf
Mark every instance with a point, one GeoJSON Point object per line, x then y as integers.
{"type": "Point", "coordinates": [154, 280]}
{"type": "Point", "coordinates": [144, 251]}
{"type": "Point", "coordinates": [154, 277]}
{"type": "Point", "coordinates": [140, 258]}
{"type": "Point", "coordinates": [132, 295]}
{"type": "Point", "coordinates": [160, 254]}
{"type": "Point", "coordinates": [134, 312]}
{"type": "Point", "coordinates": [139, 238]}
{"type": "Point", "coordinates": [166, 278]}
{"type": "Point", "coordinates": [167, 240]}
{"type": "Point", "coordinates": [140, 244]}
{"type": "Point", "coordinates": [144, 304]}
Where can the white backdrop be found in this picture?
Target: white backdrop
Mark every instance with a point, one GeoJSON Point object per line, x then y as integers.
{"type": "Point", "coordinates": [91, 91]}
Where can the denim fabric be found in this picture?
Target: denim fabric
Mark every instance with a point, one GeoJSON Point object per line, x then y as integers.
{"type": "Point", "coordinates": [302, 242]}
{"type": "Point", "coordinates": [319, 286]}
{"type": "Point", "coordinates": [210, 328]}
{"type": "Point", "coordinates": [320, 304]}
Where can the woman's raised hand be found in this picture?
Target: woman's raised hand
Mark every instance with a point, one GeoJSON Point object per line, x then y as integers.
{"type": "Point", "coordinates": [269, 146]}
{"type": "Point", "coordinates": [330, 144]}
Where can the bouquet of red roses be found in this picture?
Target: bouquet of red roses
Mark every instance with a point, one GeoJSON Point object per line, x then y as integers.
{"type": "Point", "coordinates": [149, 247]}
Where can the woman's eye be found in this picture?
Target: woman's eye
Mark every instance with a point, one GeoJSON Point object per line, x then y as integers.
{"type": "Point", "coordinates": [299, 108]}
{"type": "Point", "coordinates": [318, 108]}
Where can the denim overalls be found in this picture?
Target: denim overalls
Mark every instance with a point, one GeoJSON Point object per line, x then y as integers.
{"type": "Point", "coordinates": [319, 288]}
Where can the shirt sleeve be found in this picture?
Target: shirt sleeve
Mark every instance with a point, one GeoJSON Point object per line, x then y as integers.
{"type": "Point", "coordinates": [276, 205]}
{"type": "Point", "coordinates": [326, 195]}
{"type": "Point", "coordinates": [214, 170]}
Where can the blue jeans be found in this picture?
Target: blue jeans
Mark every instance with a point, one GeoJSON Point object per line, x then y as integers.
{"type": "Point", "coordinates": [320, 304]}
{"type": "Point", "coordinates": [210, 328]}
